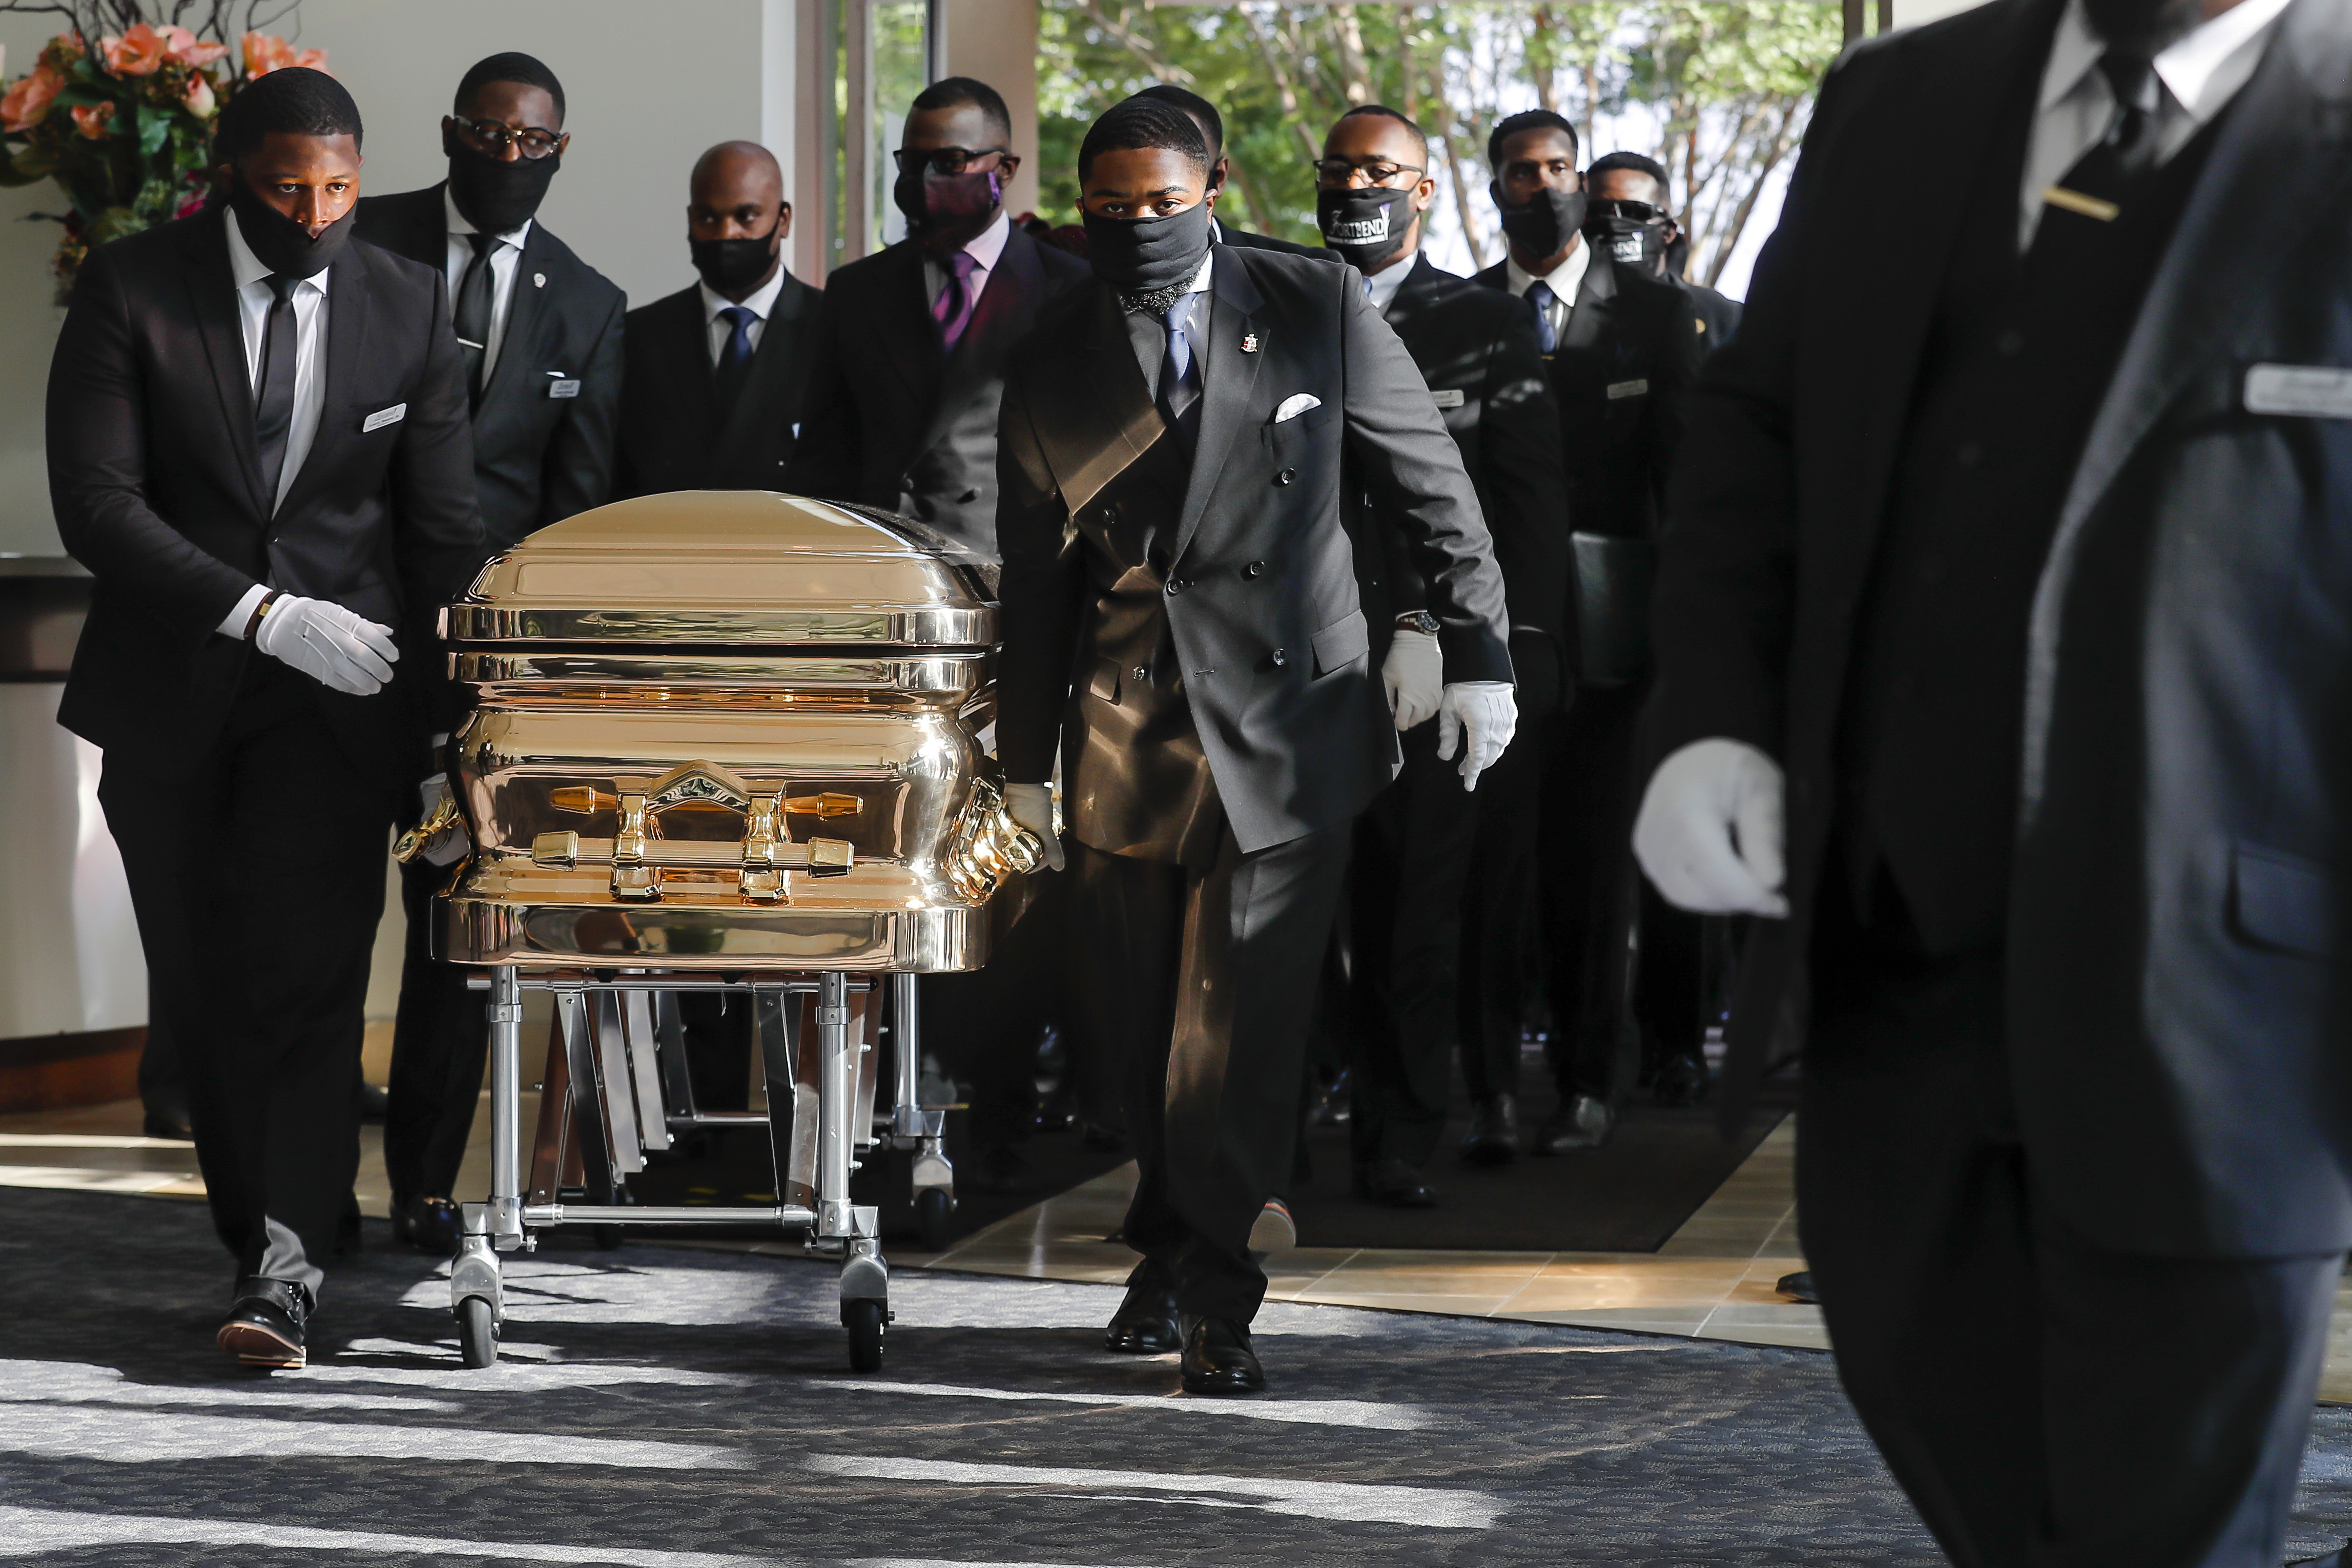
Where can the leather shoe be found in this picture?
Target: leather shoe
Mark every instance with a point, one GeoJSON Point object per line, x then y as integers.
{"type": "Point", "coordinates": [1145, 1323]}
{"type": "Point", "coordinates": [1392, 1182]}
{"type": "Point", "coordinates": [1801, 1286]}
{"type": "Point", "coordinates": [1219, 1358]}
{"type": "Point", "coordinates": [267, 1324]}
{"type": "Point", "coordinates": [371, 1102]}
{"type": "Point", "coordinates": [1582, 1121]}
{"type": "Point", "coordinates": [1494, 1135]}
{"type": "Point", "coordinates": [428, 1224]}
{"type": "Point", "coordinates": [168, 1122]}
{"type": "Point", "coordinates": [1681, 1079]}
{"type": "Point", "coordinates": [1000, 1169]}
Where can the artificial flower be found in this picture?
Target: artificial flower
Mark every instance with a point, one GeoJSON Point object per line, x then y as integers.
{"type": "Point", "coordinates": [90, 120]}
{"type": "Point", "coordinates": [137, 52]}
{"type": "Point", "coordinates": [199, 100]}
{"type": "Point", "coordinates": [264, 53]}
{"type": "Point", "coordinates": [27, 102]}
{"type": "Point", "coordinates": [181, 45]}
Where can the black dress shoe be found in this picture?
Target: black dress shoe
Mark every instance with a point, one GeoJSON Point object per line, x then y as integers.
{"type": "Point", "coordinates": [1801, 1286]}
{"type": "Point", "coordinates": [1394, 1182]}
{"type": "Point", "coordinates": [1582, 1121]}
{"type": "Point", "coordinates": [1145, 1323]}
{"type": "Point", "coordinates": [267, 1322]}
{"type": "Point", "coordinates": [998, 1169]}
{"type": "Point", "coordinates": [1681, 1079]}
{"type": "Point", "coordinates": [1494, 1135]}
{"type": "Point", "coordinates": [428, 1224]}
{"type": "Point", "coordinates": [1219, 1358]}
{"type": "Point", "coordinates": [168, 1121]}
{"type": "Point", "coordinates": [371, 1101]}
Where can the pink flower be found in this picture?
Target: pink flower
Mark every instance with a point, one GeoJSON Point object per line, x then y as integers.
{"type": "Point", "coordinates": [27, 102]}
{"type": "Point", "coordinates": [264, 53]}
{"type": "Point", "coordinates": [92, 121]}
{"type": "Point", "coordinates": [136, 53]}
{"type": "Point", "coordinates": [181, 45]}
{"type": "Point", "coordinates": [199, 100]}
{"type": "Point", "coordinates": [312, 60]}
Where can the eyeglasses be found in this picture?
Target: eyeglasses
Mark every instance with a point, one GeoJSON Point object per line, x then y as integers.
{"type": "Point", "coordinates": [1343, 172]}
{"type": "Point", "coordinates": [943, 160]}
{"type": "Point", "coordinates": [1634, 212]}
{"type": "Point", "coordinates": [492, 136]}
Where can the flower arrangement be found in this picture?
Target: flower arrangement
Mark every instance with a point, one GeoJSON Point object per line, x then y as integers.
{"type": "Point", "coordinates": [125, 128]}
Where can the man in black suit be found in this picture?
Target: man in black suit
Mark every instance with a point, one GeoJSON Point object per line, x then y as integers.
{"type": "Point", "coordinates": [1630, 217]}
{"type": "Point", "coordinates": [1182, 627]}
{"type": "Point", "coordinates": [258, 445]}
{"type": "Point", "coordinates": [2021, 557]}
{"type": "Point", "coordinates": [1212, 125]}
{"type": "Point", "coordinates": [911, 348]}
{"type": "Point", "coordinates": [1427, 951]}
{"type": "Point", "coordinates": [717, 372]}
{"type": "Point", "coordinates": [540, 330]}
{"type": "Point", "coordinates": [1621, 347]}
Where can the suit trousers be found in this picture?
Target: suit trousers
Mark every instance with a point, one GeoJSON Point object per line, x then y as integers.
{"type": "Point", "coordinates": [440, 1041]}
{"type": "Point", "coordinates": [1501, 933]}
{"type": "Point", "coordinates": [257, 874]}
{"type": "Point", "coordinates": [985, 1026]}
{"type": "Point", "coordinates": [1589, 892]}
{"type": "Point", "coordinates": [2043, 1400]}
{"type": "Point", "coordinates": [1203, 978]}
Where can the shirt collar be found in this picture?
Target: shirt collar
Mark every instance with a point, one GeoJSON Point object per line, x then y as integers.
{"type": "Point", "coordinates": [1383, 285]}
{"type": "Point", "coordinates": [763, 300]}
{"type": "Point", "coordinates": [246, 268]}
{"type": "Point", "coordinates": [989, 243]}
{"type": "Point", "coordinates": [458, 224]}
{"type": "Point", "coordinates": [1564, 279]}
{"type": "Point", "coordinates": [2202, 70]}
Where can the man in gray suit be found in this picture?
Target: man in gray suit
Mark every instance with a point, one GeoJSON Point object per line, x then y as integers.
{"type": "Point", "coordinates": [2024, 557]}
{"type": "Point", "coordinates": [1182, 626]}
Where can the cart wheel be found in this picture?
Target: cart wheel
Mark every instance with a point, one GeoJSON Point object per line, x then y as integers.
{"type": "Point", "coordinates": [478, 1332]}
{"type": "Point", "coordinates": [608, 1236]}
{"type": "Point", "coordinates": [934, 1214]}
{"type": "Point", "coordinates": [864, 1320]}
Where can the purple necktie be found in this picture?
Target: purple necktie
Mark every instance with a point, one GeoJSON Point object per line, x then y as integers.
{"type": "Point", "coordinates": [952, 309]}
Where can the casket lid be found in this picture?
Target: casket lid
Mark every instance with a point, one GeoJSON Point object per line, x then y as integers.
{"type": "Point", "coordinates": [730, 567]}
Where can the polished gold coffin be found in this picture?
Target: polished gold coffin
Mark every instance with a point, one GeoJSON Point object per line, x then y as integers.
{"type": "Point", "coordinates": [728, 729]}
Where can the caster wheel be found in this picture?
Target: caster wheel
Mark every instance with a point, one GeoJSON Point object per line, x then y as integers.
{"type": "Point", "coordinates": [478, 1332]}
{"type": "Point", "coordinates": [607, 1236]}
{"type": "Point", "coordinates": [864, 1320]}
{"type": "Point", "coordinates": [934, 1216]}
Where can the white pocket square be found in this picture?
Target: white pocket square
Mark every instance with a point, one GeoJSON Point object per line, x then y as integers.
{"type": "Point", "coordinates": [1296, 403]}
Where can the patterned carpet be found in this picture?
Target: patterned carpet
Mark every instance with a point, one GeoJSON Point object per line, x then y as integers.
{"type": "Point", "coordinates": [675, 1407]}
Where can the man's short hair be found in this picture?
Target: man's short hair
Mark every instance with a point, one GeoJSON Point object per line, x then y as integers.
{"type": "Point", "coordinates": [1526, 120]}
{"type": "Point", "coordinates": [295, 101]}
{"type": "Point", "coordinates": [512, 66]}
{"type": "Point", "coordinates": [1638, 165]}
{"type": "Point", "coordinates": [1202, 111]}
{"type": "Point", "coordinates": [1383, 111]}
{"type": "Point", "coordinates": [1138, 122]}
{"type": "Point", "coordinates": [953, 92]}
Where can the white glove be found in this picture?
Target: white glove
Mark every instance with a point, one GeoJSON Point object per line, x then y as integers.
{"type": "Point", "coordinates": [1709, 830]}
{"type": "Point", "coordinates": [328, 643]}
{"type": "Point", "coordinates": [1488, 711]}
{"type": "Point", "coordinates": [1032, 805]}
{"type": "Point", "coordinates": [452, 844]}
{"type": "Point", "coordinates": [1414, 675]}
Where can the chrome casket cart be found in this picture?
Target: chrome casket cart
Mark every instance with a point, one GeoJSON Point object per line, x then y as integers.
{"type": "Point", "coordinates": [721, 739]}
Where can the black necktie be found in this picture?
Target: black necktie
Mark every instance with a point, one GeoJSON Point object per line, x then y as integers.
{"type": "Point", "coordinates": [735, 355]}
{"type": "Point", "coordinates": [475, 291]}
{"type": "Point", "coordinates": [2081, 209]}
{"type": "Point", "coordinates": [273, 400]}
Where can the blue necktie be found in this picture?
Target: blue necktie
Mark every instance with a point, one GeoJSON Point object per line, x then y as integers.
{"type": "Point", "coordinates": [1540, 296]}
{"type": "Point", "coordinates": [735, 357]}
{"type": "Point", "coordinates": [1180, 383]}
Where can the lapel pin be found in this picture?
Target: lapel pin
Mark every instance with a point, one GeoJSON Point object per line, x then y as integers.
{"type": "Point", "coordinates": [1249, 343]}
{"type": "Point", "coordinates": [539, 279]}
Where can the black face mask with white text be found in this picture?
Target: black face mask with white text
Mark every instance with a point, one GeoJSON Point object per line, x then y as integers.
{"type": "Point", "coordinates": [1366, 225]}
{"type": "Point", "coordinates": [1642, 246]}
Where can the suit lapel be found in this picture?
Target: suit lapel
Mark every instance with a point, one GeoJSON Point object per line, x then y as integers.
{"type": "Point", "coordinates": [1595, 309]}
{"type": "Point", "coordinates": [1007, 304]}
{"type": "Point", "coordinates": [518, 356]}
{"type": "Point", "coordinates": [347, 328]}
{"type": "Point", "coordinates": [1098, 420]}
{"type": "Point", "coordinates": [908, 337]}
{"type": "Point", "coordinates": [1231, 377]}
{"type": "Point", "coordinates": [212, 290]}
{"type": "Point", "coordinates": [765, 394]}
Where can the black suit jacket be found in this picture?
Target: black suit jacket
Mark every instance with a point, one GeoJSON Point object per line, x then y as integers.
{"type": "Point", "coordinates": [538, 457]}
{"type": "Point", "coordinates": [1261, 592]}
{"type": "Point", "coordinates": [157, 489]}
{"type": "Point", "coordinates": [1477, 349]}
{"type": "Point", "coordinates": [896, 422]}
{"type": "Point", "coordinates": [1718, 314]}
{"type": "Point", "coordinates": [2178, 926]}
{"type": "Point", "coordinates": [1250, 240]}
{"type": "Point", "coordinates": [673, 434]}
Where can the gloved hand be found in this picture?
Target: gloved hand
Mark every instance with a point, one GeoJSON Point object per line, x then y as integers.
{"type": "Point", "coordinates": [1032, 805]}
{"type": "Point", "coordinates": [453, 841]}
{"type": "Point", "coordinates": [1488, 711]}
{"type": "Point", "coordinates": [328, 643]}
{"type": "Point", "coordinates": [1414, 675]}
{"type": "Point", "coordinates": [1709, 830]}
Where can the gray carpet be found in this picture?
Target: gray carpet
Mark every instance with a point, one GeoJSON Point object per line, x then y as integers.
{"type": "Point", "coordinates": [673, 1407]}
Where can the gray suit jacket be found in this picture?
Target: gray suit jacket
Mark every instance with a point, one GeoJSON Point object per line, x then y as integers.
{"type": "Point", "coordinates": [1259, 588]}
{"type": "Point", "coordinates": [2178, 939]}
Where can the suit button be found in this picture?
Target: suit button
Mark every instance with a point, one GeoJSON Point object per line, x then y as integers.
{"type": "Point", "coordinates": [1141, 674]}
{"type": "Point", "coordinates": [1280, 656]}
{"type": "Point", "coordinates": [1285, 477]}
{"type": "Point", "coordinates": [1254, 569]}
{"type": "Point", "coordinates": [1175, 587]}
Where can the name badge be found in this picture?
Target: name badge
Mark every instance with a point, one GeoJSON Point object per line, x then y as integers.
{"type": "Point", "coordinates": [2307, 391]}
{"type": "Point", "coordinates": [1447, 396]}
{"type": "Point", "coordinates": [1618, 389]}
{"type": "Point", "coordinates": [383, 417]}
{"type": "Point", "coordinates": [568, 387]}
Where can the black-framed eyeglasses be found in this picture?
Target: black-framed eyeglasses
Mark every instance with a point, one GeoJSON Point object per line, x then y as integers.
{"type": "Point", "coordinates": [492, 136]}
{"type": "Point", "coordinates": [1633, 212]}
{"type": "Point", "coordinates": [1343, 172]}
{"type": "Point", "coordinates": [944, 160]}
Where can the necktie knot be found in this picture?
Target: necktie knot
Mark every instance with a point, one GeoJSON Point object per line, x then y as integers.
{"type": "Point", "coordinates": [483, 244]}
{"type": "Point", "coordinates": [2132, 78]}
{"type": "Point", "coordinates": [739, 317]}
{"type": "Point", "coordinates": [963, 262]}
{"type": "Point", "coordinates": [281, 286]}
{"type": "Point", "coordinates": [952, 309]}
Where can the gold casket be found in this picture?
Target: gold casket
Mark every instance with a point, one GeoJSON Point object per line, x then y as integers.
{"type": "Point", "coordinates": [728, 729]}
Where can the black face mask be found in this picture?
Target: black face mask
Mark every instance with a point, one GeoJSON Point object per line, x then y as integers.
{"type": "Point", "coordinates": [280, 244]}
{"type": "Point", "coordinates": [2143, 27]}
{"type": "Point", "coordinates": [1544, 225]}
{"type": "Point", "coordinates": [1631, 244]}
{"type": "Point", "coordinates": [945, 211]}
{"type": "Point", "coordinates": [733, 266]}
{"type": "Point", "coordinates": [495, 196]}
{"type": "Point", "coordinates": [1146, 257]}
{"type": "Point", "coordinates": [1365, 226]}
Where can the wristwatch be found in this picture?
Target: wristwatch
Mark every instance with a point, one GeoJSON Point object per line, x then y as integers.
{"type": "Point", "coordinates": [1417, 621]}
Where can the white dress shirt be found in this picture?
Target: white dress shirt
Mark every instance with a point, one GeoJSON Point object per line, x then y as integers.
{"type": "Point", "coordinates": [1382, 286]}
{"type": "Point", "coordinates": [2200, 73]}
{"type": "Point", "coordinates": [1565, 280]}
{"type": "Point", "coordinates": [762, 300]}
{"type": "Point", "coordinates": [252, 302]}
{"type": "Point", "coordinates": [984, 248]}
{"type": "Point", "coordinates": [505, 258]}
